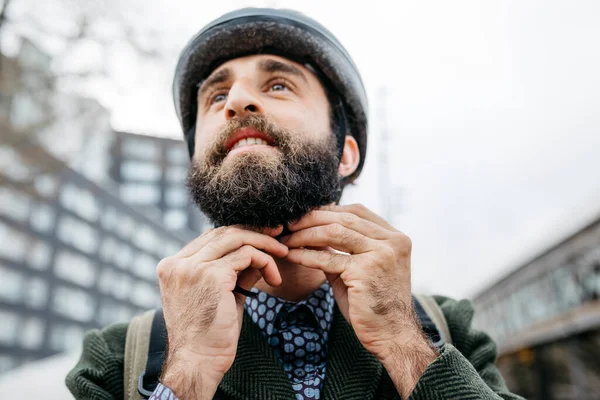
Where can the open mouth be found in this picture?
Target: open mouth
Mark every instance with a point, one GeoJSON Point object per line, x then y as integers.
{"type": "Point", "coordinates": [246, 137]}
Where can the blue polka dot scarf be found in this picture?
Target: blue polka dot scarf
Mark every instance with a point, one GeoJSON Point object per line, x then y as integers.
{"type": "Point", "coordinates": [298, 334]}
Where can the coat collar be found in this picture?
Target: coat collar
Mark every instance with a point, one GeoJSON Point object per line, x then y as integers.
{"type": "Point", "coordinates": [352, 372]}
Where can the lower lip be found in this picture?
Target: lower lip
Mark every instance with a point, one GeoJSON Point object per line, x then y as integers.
{"type": "Point", "coordinates": [254, 147]}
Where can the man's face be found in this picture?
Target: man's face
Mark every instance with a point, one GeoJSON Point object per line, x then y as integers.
{"type": "Point", "coordinates": [264, 150]}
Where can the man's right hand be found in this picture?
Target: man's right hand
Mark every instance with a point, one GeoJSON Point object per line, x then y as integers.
{"type": "Point", "coordinates": [202, 314]}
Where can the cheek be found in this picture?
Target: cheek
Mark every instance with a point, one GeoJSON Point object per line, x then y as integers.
{"type": "Point", "coordinates": [206, 132]}
{"type": "Point", "coordinates": [311, 122]}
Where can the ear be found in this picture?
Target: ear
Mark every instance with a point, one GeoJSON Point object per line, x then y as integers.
{"type": "Point", "coordinates": [350, 157]}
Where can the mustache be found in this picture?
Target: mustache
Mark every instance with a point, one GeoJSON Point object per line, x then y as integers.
{"type": "Point", "coordinates": [281, 137]}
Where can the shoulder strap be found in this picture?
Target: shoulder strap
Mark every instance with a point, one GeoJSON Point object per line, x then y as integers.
{"type": "Point", "coordinates": [434, 312]}
{"type": "Point", "coordinates": [136, 352]}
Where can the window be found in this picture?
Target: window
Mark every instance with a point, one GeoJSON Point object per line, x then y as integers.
{"type": "Point", "coordinates": [146, 239]}
{"type": "Point", "coordinates": [73, 303]}
{"type": "Point", "coordinates": [139, 193]}
{"type": "Point", "coordinates": [123, 256]}
{"type": "Point", "coordinates": [78, 234]}
{"type": "Point", "coordinates": [176, 196]}
{"type": "Point", "coordinates": [39, 255]}
{"type": "Point", "coordinates": [145, 295]}
{"type": "Point", "coordinates": [175, 219]}
{"type": "Point", "coordinates": [108, 249]}
{"type": "Point", "coordinates": [125, 226]}
{"type": "Point", "coordinates": [75, 268]}
{"type": "Point", "coordinates": [14, 205]}
{"type": "Point", "coordinates": [140, 171]}
{"type": "Point", "coordinates": [18, 243]}
{"type": "Point", "coordinates": [32, 333]}
{"type": "Point", "coordinates": [10, 285]}
{"type": "Point", "coordinates": [109, 219]}
{"type": "Point", "coordinates": [46, 185]}
{"type": "Point", "coordinates": [111, 312]}
{"type": "Point", "coordinates": [144, 266]}
{"type": "Point", "coordinates": [10, 325]}
{"type": "Point", "coordinates": [65, 337]}
{"type": "Point", "coordinates": [79, 201]}
{"type": "Point", "coordinates": [107, 280]}
{"type": "Point", "coordinates": [122, 287]}
{"type": "Point", "coordinates": [13, 165]}
{"type": "Point", "coordinates": [35, 293]}
{"type": "Point", "coordinates": [42, 218]}
{"type": "Point", "coordinates": [140, 147]}
{"type": "Point", "coordinates": [178, 154]}
{"type": "Point", "coordinates": [177, 175]}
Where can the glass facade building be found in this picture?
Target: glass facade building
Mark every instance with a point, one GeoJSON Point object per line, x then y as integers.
{"type": "Point", "coordinates": [150, 174]}
{"type": "Point", "coordinates": [73, 255]}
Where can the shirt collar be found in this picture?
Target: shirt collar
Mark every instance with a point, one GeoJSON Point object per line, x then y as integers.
{"type": "Point", "coordinates": [264, 308]}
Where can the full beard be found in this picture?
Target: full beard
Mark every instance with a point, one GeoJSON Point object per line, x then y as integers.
{"type": "Point", "coordinates": [265, 189]}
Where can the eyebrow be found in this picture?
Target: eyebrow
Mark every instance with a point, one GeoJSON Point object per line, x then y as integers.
{"type": "Point", "coordinates": [271, 66]}
{"type": "Point", "coordinates": [219, 77]}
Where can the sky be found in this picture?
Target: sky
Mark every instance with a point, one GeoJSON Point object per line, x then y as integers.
{"type": "Point", "coordinates": [490, 119]}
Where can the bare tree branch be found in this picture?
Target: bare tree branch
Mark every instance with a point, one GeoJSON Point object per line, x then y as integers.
{"type": "Point", "coordinates": [3, 12]}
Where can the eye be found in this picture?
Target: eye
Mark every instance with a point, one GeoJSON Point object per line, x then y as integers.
{"type": "Point", "coordinates": [278, 87]}
{"type": "Point", "coordinates": [218, 98]}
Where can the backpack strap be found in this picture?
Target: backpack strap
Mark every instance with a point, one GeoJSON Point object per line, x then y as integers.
{"type": "Point", "coordinates": [144, 354]}
{"type": "Point", "coordinates": [136, 352]}
{"type": "Point", "coordinates": [427, 305]}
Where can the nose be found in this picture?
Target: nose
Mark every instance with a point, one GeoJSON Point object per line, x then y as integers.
{"type": "Point", "coordinates": [242, 101]}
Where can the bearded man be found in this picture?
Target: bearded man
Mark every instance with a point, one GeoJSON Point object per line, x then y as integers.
{"type": "Point", "coordinates": [290, 296]}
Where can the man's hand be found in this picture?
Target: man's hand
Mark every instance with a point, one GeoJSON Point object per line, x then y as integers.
{"type": "Point", "coordinates": [371, 283]}
{"type": "Point", "coordinates": [202, 314]}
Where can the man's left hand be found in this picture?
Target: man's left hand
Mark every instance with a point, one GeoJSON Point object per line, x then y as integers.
{"type": "Point", "coordinates": [367, 263]}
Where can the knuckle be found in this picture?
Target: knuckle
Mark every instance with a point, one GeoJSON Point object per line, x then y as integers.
{"type": "Point", "coordinates": [404, 243]}
{"type": "Point", "coordinates": [348, 218]}
{"type": "Point", "coordinates": [359, 207]}
{"type": "Point", "coordinates": [165, 266]}
{"type": "Point", "coordinates": [246, 251]}
{"type": "Point", "coordinates": [334, 229]}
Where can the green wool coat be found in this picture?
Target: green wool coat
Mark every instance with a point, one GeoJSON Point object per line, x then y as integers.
{"type": "Point", "coordinates": [464, 369]}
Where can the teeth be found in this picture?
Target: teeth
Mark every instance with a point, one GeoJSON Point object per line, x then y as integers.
{"type": "Point", "coordinates": [249, 142]}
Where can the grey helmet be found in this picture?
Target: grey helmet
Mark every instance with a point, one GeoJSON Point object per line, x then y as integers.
{"type": "Point", "coordinates": [270, 31]}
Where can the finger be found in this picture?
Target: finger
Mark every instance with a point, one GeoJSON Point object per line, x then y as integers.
{"type": "Point", "coordinates": [349, 220]}
{"type": "Point", "coordinates": [333, 235]}
{"type": "Point", "coordinates": [225, 240]}
{"type": "Point", "coordinates": [249, 257]}
{"type": "Point", "coordinates": [273, 232]}
{"type": "Point", "coordinates": [247, 279]}
{"type": "Point", "coordinates": [363, 212]}
{"type": "Point", "coordinates": [328, 262]}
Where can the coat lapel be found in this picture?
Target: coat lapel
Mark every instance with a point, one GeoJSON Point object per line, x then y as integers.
{"type": "Point", "coordinates": [256, 372]}
{"type": "Point", "coordinates": [352, 372]}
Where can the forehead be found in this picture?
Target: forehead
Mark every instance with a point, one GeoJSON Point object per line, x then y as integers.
{"type": "Point", "coordinates": [260, 63]}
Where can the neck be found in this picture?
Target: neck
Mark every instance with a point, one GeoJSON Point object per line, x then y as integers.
{"type": "Point", "coordinates": [297, 282]}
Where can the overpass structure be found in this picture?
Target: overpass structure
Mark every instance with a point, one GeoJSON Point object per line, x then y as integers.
{"type": "Point", "coordinates": [545, 317]}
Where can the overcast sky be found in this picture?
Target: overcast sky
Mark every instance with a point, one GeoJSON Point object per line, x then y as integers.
{"type": "Point", "coordinates": [492, 114]}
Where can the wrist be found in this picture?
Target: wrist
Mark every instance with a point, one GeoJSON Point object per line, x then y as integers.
{"type": "Point", "coordinates": [406, 361]}
{"type": "Point", "coordinates": [188, 378]}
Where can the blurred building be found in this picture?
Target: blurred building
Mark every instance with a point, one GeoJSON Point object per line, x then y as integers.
{"type": "Point", "coordinates": [73, 255]}
{"type": "Point", "coordinates": [146, 172]}
{"type": "Point", "coordinates": [86, 213]}
{"type": "Point", "coordinates": [150, 175]}
{"type": "Point", "coordinates": [545, 317]}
